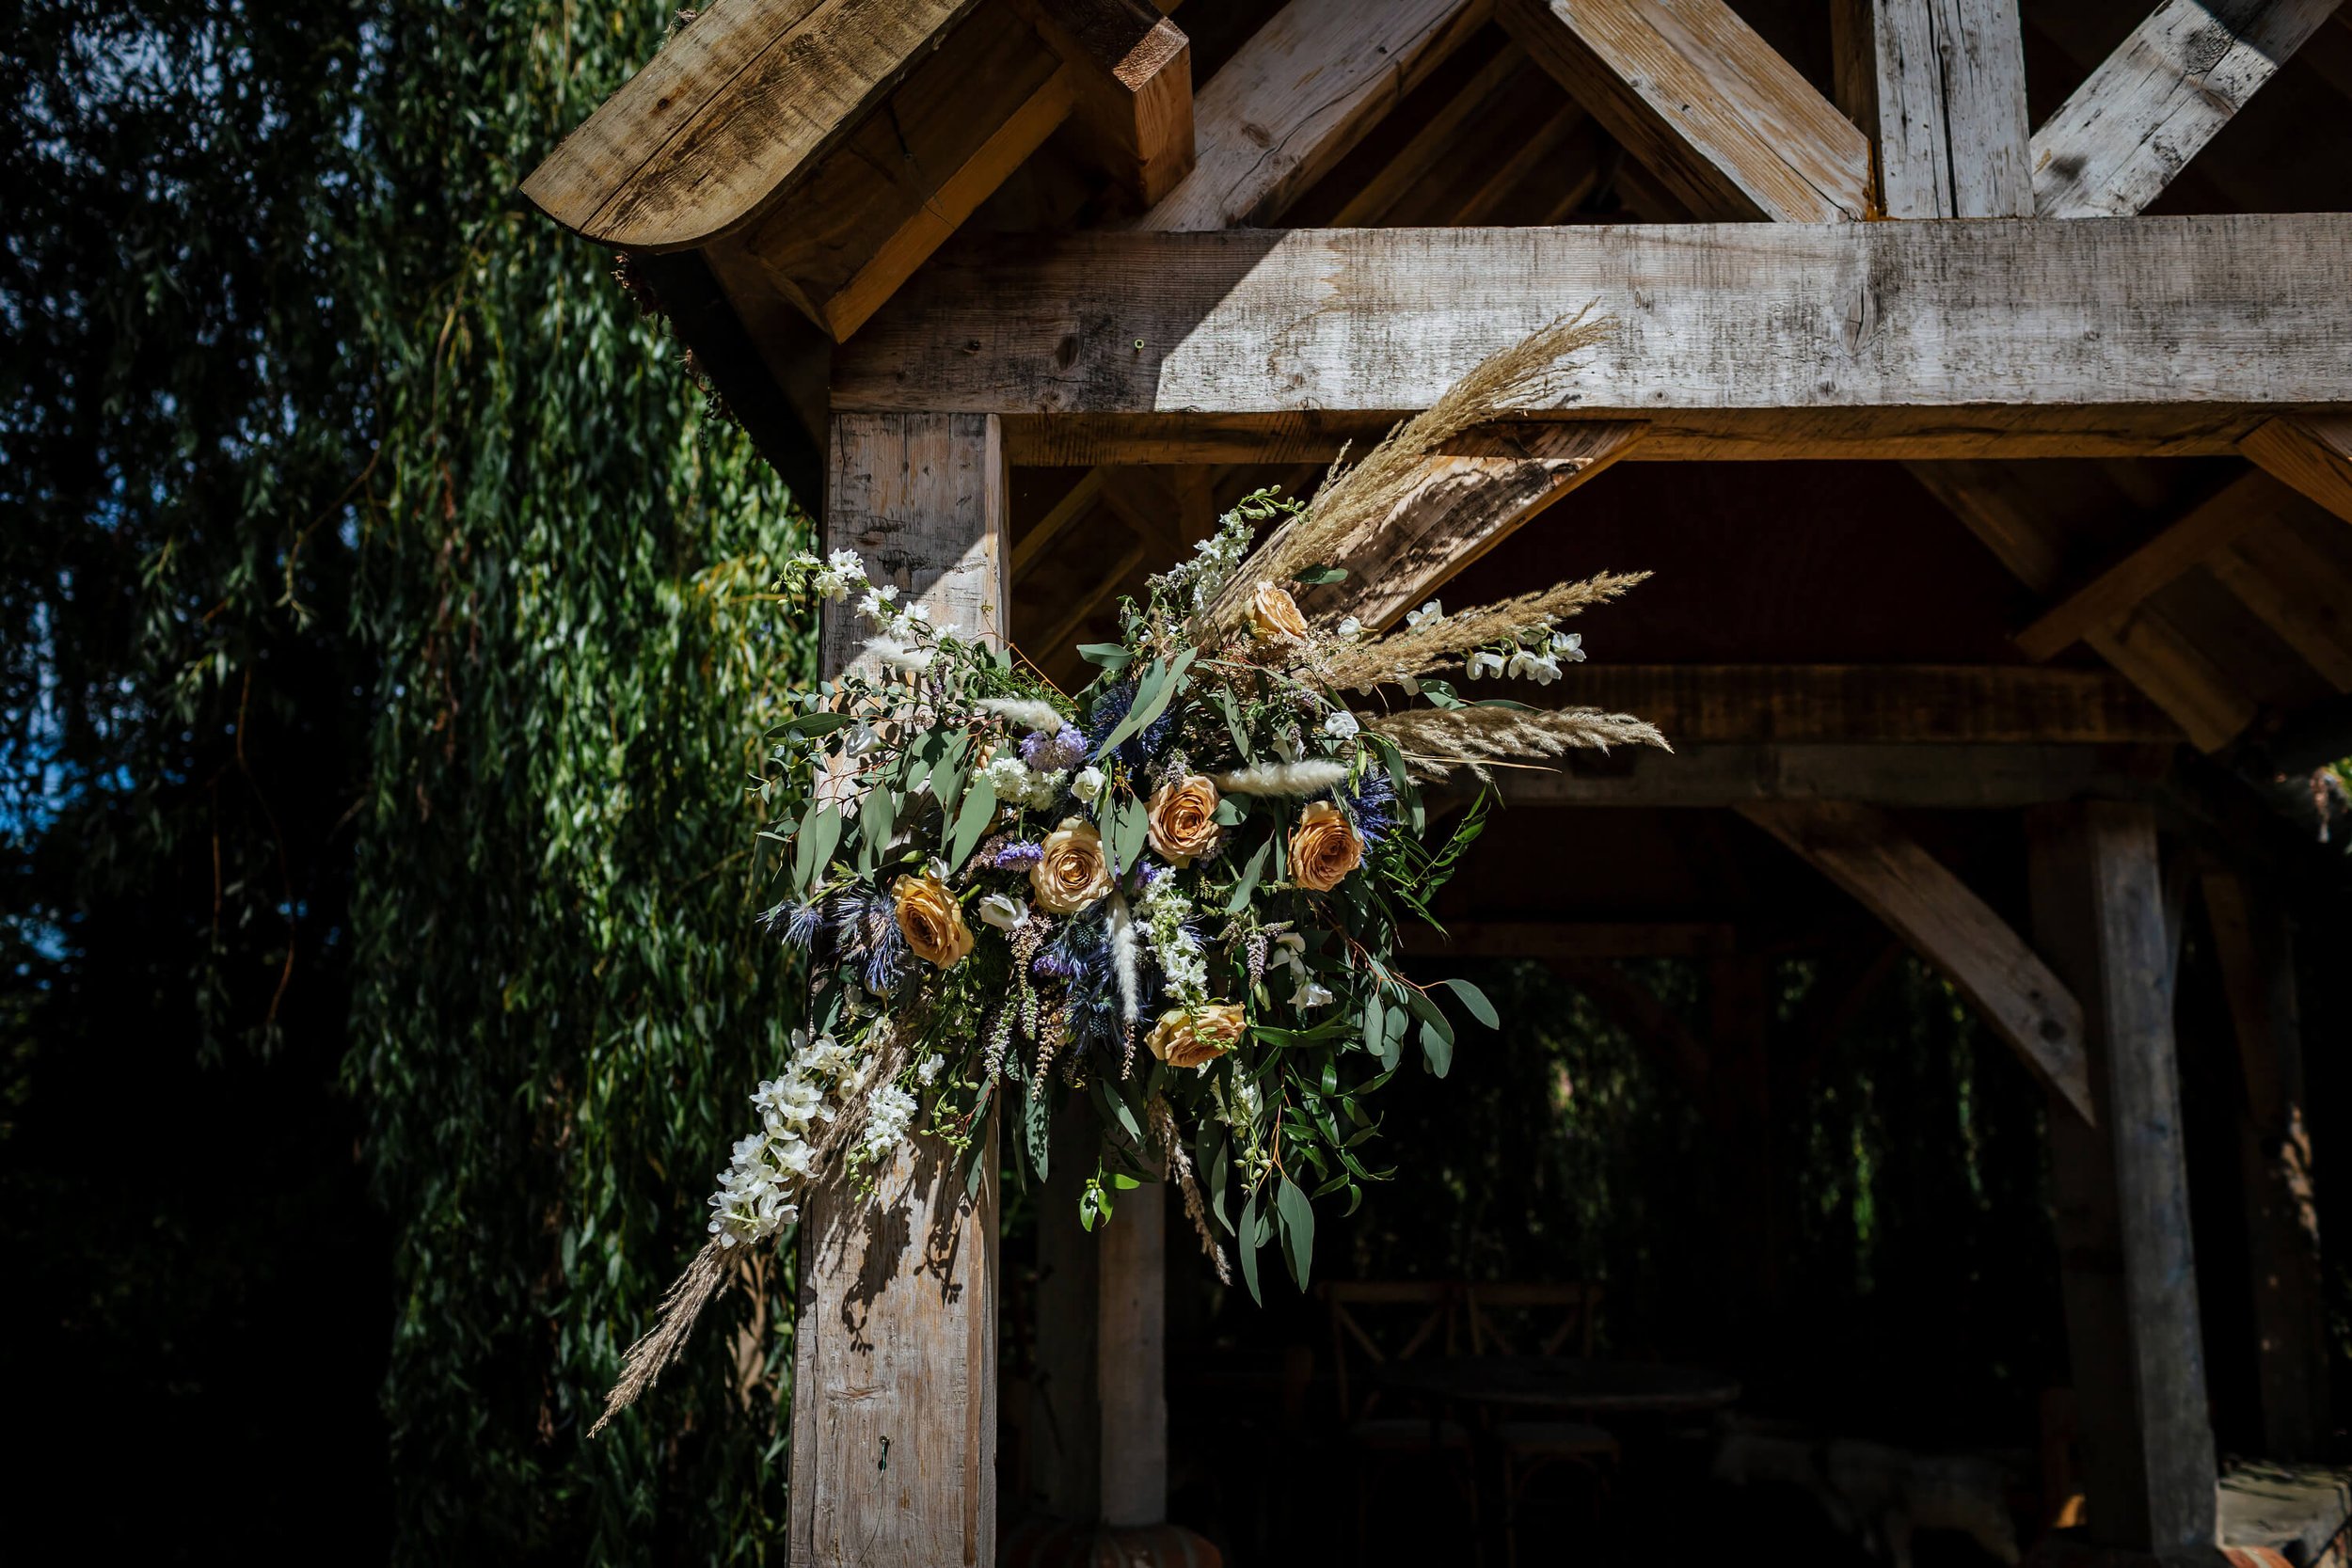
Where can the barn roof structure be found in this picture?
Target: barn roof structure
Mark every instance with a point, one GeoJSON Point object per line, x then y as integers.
{"type": "Point", "coordinates": [1979, 391]}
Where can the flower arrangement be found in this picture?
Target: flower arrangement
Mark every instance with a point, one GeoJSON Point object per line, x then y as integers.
{"type": "Point", "coordinates": [1174, 893]}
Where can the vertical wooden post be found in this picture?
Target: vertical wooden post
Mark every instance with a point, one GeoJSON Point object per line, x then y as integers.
{"type": "Point", "coordinates": [893, 1389]}
{"type": "Point", "coordinates": [2252, 940]}
{"type": "Point", "coordinates": [1064, 1418]}
{"type": "Point", "coordinates": [1939, 86]}
{"type": "Point", "coordinates": [1131, 1340]}
{"type": "Point", "coordinates": [2120, 1188]}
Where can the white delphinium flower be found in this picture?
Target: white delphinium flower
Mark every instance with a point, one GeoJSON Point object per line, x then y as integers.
{"type": "Point", "coordinates": [929, 1070]}
{"type": "Point", "coordinates": [1310, 993]}
{"type": "Point", "coordinates": [1088, 784]}
{"type": "Point", "coordinates": [1416, 619]}
{"type": "Point", "coordinates": [1527, 664]}
{"type": "Point", "coordinates": [1184, 967]}
{"type": "Point", "coordinates": [767, 1168]}
{"type": "Point", "coordinates": [1483, 663]}
{"type": "Point", "coordinates": [880, 604]}
{"type": "Point", "coordinates": [889, 1111]}
{"type": "Point", "coordinates": [1569, 645]}
{"type": "Point", "coordinates": [1341, 725]}
{"type": "Point", "coordinates": [1003, 911]}
{"type": "Point", "coordinates": [847, 562]}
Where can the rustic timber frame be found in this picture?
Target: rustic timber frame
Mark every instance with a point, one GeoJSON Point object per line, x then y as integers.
{"type": "Point", "coordinates": [926, 248]}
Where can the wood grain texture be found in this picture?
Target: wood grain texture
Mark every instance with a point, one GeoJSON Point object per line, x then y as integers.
{"type": "Point", "coordinates": [1302, 90]}
{"type": "Point", "coordinates": [1457, 509]}
{"type": "Point", "coordinates": [894, 1408]}
{"type": "Point", "coordinates": [748, 96]}
{"type": "Point", "coordinates": [1941, 87]}
{"type": "Point", "coordinates": [1132, 69]}
{"type": "Point", "coordinates": [2311, 451]}
{"type": "Point", "coordinates": [2125, 1252]}
{"type": "Point", "coordinates": [2165, 92]}
{"type": "Point", "coordinates": [1132, 1351]}
{"type": "Point", "coordinates": [1864, 851]}
{"type": "Point", "coordinates": [859, 223]}
{"type": "Point", "coordinates": [1950, 777]}
{"type": "Point", "coordinates": [2297, 590]}
{"type": "Point", "coordinates": [1692, 90]}
{"type": "Point", "coordinates": [2228, 314]}
{"type": "Point", "coordinates": [2185, 542]}
{"type": "Point", "coordinates": [2001, 507]}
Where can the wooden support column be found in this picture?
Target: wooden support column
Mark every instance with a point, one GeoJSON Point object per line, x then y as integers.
{"type": "Point", "coordinates": [1131, 1359]}
{"type": "Point", "coordinates": [894, 1407]}
{"type": "Point", "coordinates": [1941, 84]}
{"type": "Point", "coordinates": [2252, 940]}
{"type": "Point", "coordinates": [2121, 1189]}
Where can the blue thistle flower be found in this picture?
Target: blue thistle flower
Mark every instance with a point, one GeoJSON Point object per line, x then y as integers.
{"type": "Point", "coordinates": [1136, 751]}
{"type": "Point", "coordinates": [864, 925]}
{"type": "Point", "coordinates": [1370, 803]}
{"type": "Point", "coordinates": [800, 922]}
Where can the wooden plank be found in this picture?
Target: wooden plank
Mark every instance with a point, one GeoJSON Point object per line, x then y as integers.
{"type": "Point", "coordinates": [1560, 939]}
{"type": "Point", "coordinates": [1864, 851]}
{"type": "Point", "coordinates": [1940, 84]}
{"type": "Point", "coordinates": [1305, 88]}
{"type": "Point", "coordinates": [894, 1406]}
{"type": "Point", "coordinates": [2165, 92]}
{"type": "Point", "coordinates": [2311, 451]}
{"type": "Point", "coordinates": [2256, 949]}
{"type": "Point", "coordinates": [1827, 322]}
{"type": "Point", "coordinates": [1457, 510]}
{"type": "Point", "coordinates": [1951, 778]}
{"type": "Point", "coordinates": [2001, 507]}
{"type": "Point", "coordinates": [859, 223]}
{"type": "Point", "coordinates": [1132, 1351]}
{"type": "Point", "coordinates": [1133, 85]}
{"type": "Point", "coordinates": [2122, 1197]}
{"type": "Point", "coordinates": [1692, 90]}
{"type": "Point", "coordinates": [2188, 540]}
{"type": "Point", "coordinates": [748, 96]}
{"type": "Point", "coordinates": [2300, 593]}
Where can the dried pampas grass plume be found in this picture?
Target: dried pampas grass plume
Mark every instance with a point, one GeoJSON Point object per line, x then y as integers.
{"type": "Point", "coordinates": [1436, 741]}
{"type": "Point", "coordinates": [1442, 643]}
{"type": "Point", "coordinates": [1524, 377]}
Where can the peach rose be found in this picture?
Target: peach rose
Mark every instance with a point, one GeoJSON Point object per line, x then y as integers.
{"type": "Point", "coordinates": [1197, 1037]}
{"type": "Point", "coordinates": [1182, 825]}
{"type": "Point", "coordinates": [1071, 874]}
{"type": "Point", "coordinates": [931, 920]}
{"type": "Point", "coordinates": [1324, 848]}
{"type": "Point", "coordinates": [1274, 614]}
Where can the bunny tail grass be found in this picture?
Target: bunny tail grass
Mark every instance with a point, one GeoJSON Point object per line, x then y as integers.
{"type": "Point", "coordinates": [674, 1325]}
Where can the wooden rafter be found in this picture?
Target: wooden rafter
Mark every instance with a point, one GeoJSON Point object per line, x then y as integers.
{"type": "Point", "coordinates": [2296, 590]}
{"type": "Point", "coordinates": [2165, 92]}
{"type": "Point", "coordinates": [1865, 852]}
{"type": "Point", "coordinates": [1722, 119]}
{"type": "Point", "coordinates": [1940, 86]}
{"type": "Point", "coordinates": [2311, 451]}
{"type": "Point", "coordinates": [1132, 70]}
{"type": "Point", "coordinates": [749, 96]}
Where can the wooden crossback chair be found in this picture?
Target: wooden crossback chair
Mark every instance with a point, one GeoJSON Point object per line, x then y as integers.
{"type": "Point", "coordinates": [1377, 1323]}
{"type": "Point", "coordinates": [1538, 1320]}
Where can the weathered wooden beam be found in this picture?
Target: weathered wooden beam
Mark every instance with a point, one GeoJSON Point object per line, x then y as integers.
{"type": "Point", "coordinates": [1731, 127]}
{"type": "Point", "coordinates": [1955, 777]}
{"type": "Point", "coordinates": [1864, 851]}
{"type": "Point", "coordinates": [894, 1391]}
{"type": "Point", "coordinates": [2180, 545]}
{"type": "Point", "coordinates": [1816, 326]}
{"type": "Point", "coordinates": [1457, 510]}
{"type": "Point", "coordinates": [2119, 1189]}
{"type": "Point", "coordinates": [2311, 451]}
{"type": "Point", "coordinates": [2001, 506]}
{"type": "Point", "coordinates": [2254, 948]}
{"type": "Point", "coordinates": [1560, 940]}
{"type": "Point", "coordinates": [858, 223]}
{"type": "Point", "coordinates": [1941, 87]}
{"type": "Point", "coordinates": [2166, 90]}
{"type": "Point", "coordinates": [746, 98]}
{"type": "Point", "coordinates": [2298, 592]}
{"type": "Point", "coordinates": [1304, 89]}
{"type": "Point", "coordinates": [1133, 82]}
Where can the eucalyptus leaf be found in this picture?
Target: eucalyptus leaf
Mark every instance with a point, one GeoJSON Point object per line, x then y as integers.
{"type": "Point", "coordinates": [1313, 575]}
{"type": "Point", "coordinates": [1246, 1239]}
{"type": "Point", "coordinates": [1298, 1229]}
{"type": "Point", "coordinates": [1475, 999]}
{"type": "Point", "coordinates": [980, 810]}
{"type": "Point", "coordinates": [1248, 883]}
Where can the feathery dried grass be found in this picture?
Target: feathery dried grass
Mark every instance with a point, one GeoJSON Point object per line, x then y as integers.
{"type": "Point", "coordinates": [1171, 1144]}
{"type": "Point", "coordinates": [1524, 377]}
{"type": "Point", "coordinates": [1436, 741]}
{"type": "Point", "coordinates": [1442, 643]}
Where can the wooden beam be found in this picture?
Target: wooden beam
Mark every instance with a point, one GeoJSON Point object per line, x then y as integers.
{"type": "Point", "coordinates": [2180, 545]}
{"type": "Point", "coordinates": [2121, 1189]}
{"type": "Point", "coordinates": [1305, 88]}
{"type": "Point", "coordinates": [1559, 940]}
{"type": "Point", "coordinates": [1864, 851]}
{"type": "Point", "coordinates": [747, 97]}
{"type": "Point", "coordinates": [2298, 592]}
{"type": "Point", "coordinates": [1132, 1360]}
{"type": "Point", "coordinates": [1695, 94]}
{"type": "Point", "coordinates": [2311, 451]}
{"type": "Point", "coordinates": [2002, 508]}
{"type": "Point", "coordinates": [1133, 70]}
{"type": "Point", "coordinates": [1075, 503]}
{"type": "Point", "coordinates": [2165, 92]}
{"type": "Point", "coordinates": [1951, 778]}
{"type": "Point", "coordinates": [2254, 948]}
{"type": "Point", "coordinates": [893, 1389]}
{"type": "Point", "coordinates": [1813, 325]}
{"type": "Point", "coordinates": [859, 222]}
{"type": "Point", "coordinates": [1459, 508]}
{"type": "Point", "coordinates": [1940, 84]}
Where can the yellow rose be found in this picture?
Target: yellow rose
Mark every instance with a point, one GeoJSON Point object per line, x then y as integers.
{"type": "Point", "coordinates": [1071, 875]}
{"type": "Point", "coordinates": [1324, 848]}
{"type": "Point", "coordinates": [1182, 825]}
{"type": "Point", "coordinates": [1274, 614]}
{"type": "Point", "coordinates": [1197, 1037]}
{"type": "Point", "coordinates": [931, 920]}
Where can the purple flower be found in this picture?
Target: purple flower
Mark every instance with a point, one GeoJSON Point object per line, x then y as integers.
{"type": "Point", "coordinates": [1018, 856]}
{"type": "Point", "coordinates": [1048, 753]}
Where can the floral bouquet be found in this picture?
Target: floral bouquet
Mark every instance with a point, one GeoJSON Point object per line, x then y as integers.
{"type": "Point", "coordinates": [1174, 894]}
